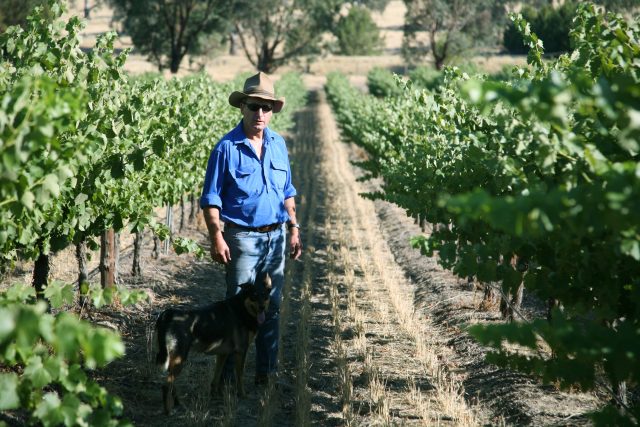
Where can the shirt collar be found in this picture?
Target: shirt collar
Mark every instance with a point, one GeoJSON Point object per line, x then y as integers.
{"type": "Point", "coordinates": [239, 136]}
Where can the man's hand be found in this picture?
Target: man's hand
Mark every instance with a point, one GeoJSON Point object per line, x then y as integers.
{"type": "Point", "coordinates": [295, 244]}
{"type": "Point", "coordinates": [220, 250]}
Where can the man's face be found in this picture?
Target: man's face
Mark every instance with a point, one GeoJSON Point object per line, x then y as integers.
{"type": "Point", "coordinates": [259, 119]}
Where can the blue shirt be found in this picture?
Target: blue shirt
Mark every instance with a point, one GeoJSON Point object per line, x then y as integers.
{"type": "Point", "coordinates": [249, 191]}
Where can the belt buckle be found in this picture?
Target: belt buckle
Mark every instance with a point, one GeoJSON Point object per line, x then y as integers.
{"type": "Point", "coordinates": [266, 228]}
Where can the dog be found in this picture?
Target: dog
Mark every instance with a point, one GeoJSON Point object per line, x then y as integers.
{"type": "Point", "coordinates": [223, 328]}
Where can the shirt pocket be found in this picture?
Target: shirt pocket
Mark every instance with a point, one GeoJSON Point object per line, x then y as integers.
{"type": "Point", "coordinates": [278, 174]}
{"type": "Point", "coordinates": [244, 179]}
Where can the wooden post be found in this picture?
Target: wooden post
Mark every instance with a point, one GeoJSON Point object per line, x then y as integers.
{"type": "Point", "coordinates": [192, 211]}
{"type": "Point", "coordinates": [40, 278]}
{"type": "Point", "coordinates": [136, 270]}
{"type": "Point", "coordinates": [182, 210]}
{"type": "Point", "coordinates": [169, 223]}
{"type": "Point", "coordinates": [81, 257]}
{"type": "Point", "coordinates": [116, 258]}
{"type": "Point", "coordinates": [107, 259]}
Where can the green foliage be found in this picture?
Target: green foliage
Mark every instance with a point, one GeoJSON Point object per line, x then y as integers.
{"type": "Point", "coordinates": [183, 245]}
{"type": "Point", "coordinates": [84, 149]}
{"type": "Point", "coordinates": [550, 23]}
{"type": "Point", "coordinates": [15, 12]}
{"type": "Point", "coordinates": [36, 116]}
{"type": "Point", "coordinates": [46, 357]}
{"type": "Point", "coordinates": [291, 87]}
{"type": "Point", "coordinates": [382, 83]}
{"type": "Point", "coordinates": [166, 32]}
{"type": "Point", "coordinates": [445, 29]}
{"type": "Point", "coordinates": [287, 31]}
{"type": "Point", "coordinates": [357, 33]}
{"type": "Point", "coordinates": [542, 167]}
{"type": "Point", "coordinates": [426, 77]}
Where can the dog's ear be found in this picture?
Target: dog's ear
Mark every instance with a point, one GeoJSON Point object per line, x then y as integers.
{"type": "Point", "coordinates": [267, 281]}
{"type": "Point", "coordinates": [246, 286]}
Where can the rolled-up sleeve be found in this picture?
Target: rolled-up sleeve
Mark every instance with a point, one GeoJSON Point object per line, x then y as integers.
{"type": "Point", "coordinates": [213, 180]}
{"type": "Point", "coordinates": [289, 189]}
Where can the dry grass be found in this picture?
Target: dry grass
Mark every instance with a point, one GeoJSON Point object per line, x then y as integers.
{"type": "Point", "coordinates": [303, 399]}
{"type": "Point", "coordinates": [376, 302]}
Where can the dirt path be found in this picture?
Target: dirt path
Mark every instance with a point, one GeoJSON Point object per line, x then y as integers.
{"type": "Point", "coordinates": [390, 356]}
{"type": "Point", "coordinates": [371, 331]}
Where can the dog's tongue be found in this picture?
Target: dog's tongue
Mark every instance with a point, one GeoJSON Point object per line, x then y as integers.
{"type": "Point", "coordinates": [261, 318]}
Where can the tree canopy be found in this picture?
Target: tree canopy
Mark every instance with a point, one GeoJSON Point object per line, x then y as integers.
{"type": "Point", "coordinates": [357, 33]}
{"type": "Point", "coordinates": [288, 29]}
{"type": "Point", "coordinates": [445, 28]}
{"type": "Point", "coordinates": [15, 12]}
{"type": "Point", "coordinates": [167, 30]}
{"type": "Point", "coordinates": [279, 32]}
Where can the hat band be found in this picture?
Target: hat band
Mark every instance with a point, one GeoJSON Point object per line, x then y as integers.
{"type": "Point", "coordinates": [256, 91]}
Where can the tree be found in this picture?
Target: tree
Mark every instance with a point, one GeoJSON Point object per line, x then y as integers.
{"type": "Point", "coordinates": [167, 30]}
{"type": "Point", "coordinates": [357, 33]}
{"type": "Point", "coordinates": [619, 5]}
{"type": "Point", "coordinates": [286, 30]}
{"type": "Point", "coordinates": [15, 12]}
{"type": "Point", "coordinates": [445, 28]}
{"type": "Point", "coordinates": [376, 5]}
{"type": "Point", "coordinates": [551, 24]}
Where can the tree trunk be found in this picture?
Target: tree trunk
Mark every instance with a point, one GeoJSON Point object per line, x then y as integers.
{"type": "Point", "coordinates": [116, 256]}
{"type": "Point", "coordinates": [233, 49]}
{"type": "Point", "coordinates": [136, 270]}
{"type": "Point", "coordinates": [509, 305]}
{"type": "Point", "coordinates": [438, 57]}
{"type": "Point", "coordinates": [81, 257]}
{"type": "Point", "coordinates": [176, 59]}
{"type": "Point", "coordinates": [620, 389]}
{"type": "Point", "coordinates": [489, 298]}
{"type": "Point", "coordinates": [182, 208]}
{"type": "Point", "coordinates": [265, 60]}
{"type": "Point", "coordinates": [155, 253]}
{"type": "Point", "coordinates": [41, 275]}
{"type": "Point", "coordinates": [471, 283]}
{"type": "Point", "coordinates": [169, 223]}
{"type": "Point", "coordinates": [516, 301]}
{"type": "Point", "coordinates": [83, 271]}
{"type": "Point", "coordinates": [192, 212]}
{"type": "Point", "coordinates": [107, 259]}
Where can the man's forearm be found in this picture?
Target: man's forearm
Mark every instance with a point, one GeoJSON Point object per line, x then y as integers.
{"type": "Point", "coordinates": [290, 206]}
{"type": "Point", "coordinates": [212, 219]}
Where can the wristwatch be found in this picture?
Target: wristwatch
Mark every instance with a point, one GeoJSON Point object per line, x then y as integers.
{"type": "Point", "coordinates": [292, 225]}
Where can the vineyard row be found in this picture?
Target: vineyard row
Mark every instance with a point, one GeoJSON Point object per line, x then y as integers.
{"type": "Point", "coordinates": [85, 148]}
{"type": "Point", "coordinates": [531, 183]}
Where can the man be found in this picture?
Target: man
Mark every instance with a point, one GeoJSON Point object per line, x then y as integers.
{"type": "Point", "coordinates": [248, 187]}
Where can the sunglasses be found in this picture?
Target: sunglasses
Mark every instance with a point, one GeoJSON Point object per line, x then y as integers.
{"type": "Point", "coordinates": [255, 107]}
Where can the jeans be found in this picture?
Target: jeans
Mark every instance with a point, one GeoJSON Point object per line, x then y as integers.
{"type": "Point", "coordinates": [253, 253]}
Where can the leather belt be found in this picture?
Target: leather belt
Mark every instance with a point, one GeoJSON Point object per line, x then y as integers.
{"type": "Point", "coordinates": [263, 229]}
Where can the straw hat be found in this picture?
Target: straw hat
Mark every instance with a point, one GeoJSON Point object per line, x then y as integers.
{"type": "Point", "coordinates": [258, 86]}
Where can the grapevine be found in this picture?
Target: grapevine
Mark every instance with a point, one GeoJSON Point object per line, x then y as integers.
{"type": "Point", "coordinates": [84, 148]}
{"type": "Point", "coordinates": [542, 168]}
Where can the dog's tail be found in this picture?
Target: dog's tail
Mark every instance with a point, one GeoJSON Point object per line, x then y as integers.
{"type": "Point", "coordinates": [162, 358]}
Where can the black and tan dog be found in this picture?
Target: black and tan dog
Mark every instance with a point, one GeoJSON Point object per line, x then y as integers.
{"type": "Point", "coordinates": [223, 328]}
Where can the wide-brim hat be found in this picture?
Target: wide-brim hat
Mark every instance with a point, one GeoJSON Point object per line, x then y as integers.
{"type": "Point", "coordinates": [258, 86]}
